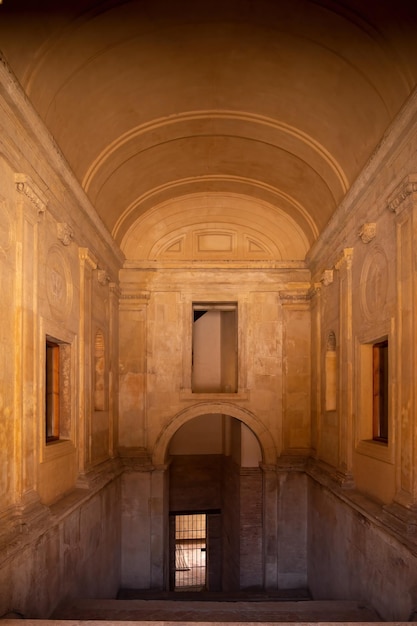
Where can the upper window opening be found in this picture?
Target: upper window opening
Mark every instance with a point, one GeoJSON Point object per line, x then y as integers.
{"type": "Point", "coordinates": [380, 391]}
{"type": "Point", "coordinates": [52, 386]}
{"type": "Point", "coordinates": [57, 390]}
{"type": "Point", "coordinates": [331, 372]}
{"type": "Point", "coordinates": [214, 359]}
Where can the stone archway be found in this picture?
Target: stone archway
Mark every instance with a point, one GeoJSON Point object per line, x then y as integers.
{"type": "Point", "coordinates": [160, 451]}
{"type": "Point", "coordinates": [223, 485]}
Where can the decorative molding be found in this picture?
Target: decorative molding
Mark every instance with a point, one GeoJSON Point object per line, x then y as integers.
{"type": "Point", "coordinates": [367, 232]}
{"type": "Point", "coordinates": [27, 187]}
{"type": "Point", "coordinates": [294, 296]}
{"type": "Point", "coordinates": [327, 278]}
{"type": "Point", "coordinates": [88, 258]}
{"type": "Point", "coordinates": [65, 233]}
{"type": "Point", "coordinates": [131, 298]}
{"type": "Point", "coordinates": [314, 290]}
{"type": "Point", "coordinates": [345, 259]}
{"type": "Point", "coordinates": [114, 289]}
{"type": "Point", "coordinates": [103, 277]}
{"type": "Point", "coordinates": [407, 187]}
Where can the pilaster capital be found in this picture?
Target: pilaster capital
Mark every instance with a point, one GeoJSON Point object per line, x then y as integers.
{"type": "Point", "coordinates": [87, 258]}
{"type": "Point", "coordinates": [345, 260]}
{"type": "Point", "coordinates": [103, 278]}
{"type": "Point", "coordinates": [327, 278]}
{"type": "Point", "coordinates": [402, 192]}
{"type": "Point", "coordinates": [131, 297]}
{"type": "Point", "coordinates": [114, 289]}
{"type": "Point", "coordinates": [314, 290]}
{"type": "Point", "coordinates": [294, 296]}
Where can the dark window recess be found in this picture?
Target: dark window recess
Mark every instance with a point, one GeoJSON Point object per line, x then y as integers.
{"type": "Point", "coordinates": [380, 391]}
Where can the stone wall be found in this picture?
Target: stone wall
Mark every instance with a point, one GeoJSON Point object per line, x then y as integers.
{"type": "Point", "coordinates": [71, 550]}
{"type": "Point", "coordinates": [356, 550]}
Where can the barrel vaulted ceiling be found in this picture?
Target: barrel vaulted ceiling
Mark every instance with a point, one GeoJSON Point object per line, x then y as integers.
{"type": "Point", "coordinates": [198, 114]}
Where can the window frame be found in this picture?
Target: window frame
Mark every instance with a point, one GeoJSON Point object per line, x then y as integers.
{"type": "Point", "coordinates": [52, 389]}
{"type": "Point", "coordinates": [367, 439]}
{"type": "Point", "coordinates": [226, 307]}
{"type": "Point", "coordinates": [68, 344]}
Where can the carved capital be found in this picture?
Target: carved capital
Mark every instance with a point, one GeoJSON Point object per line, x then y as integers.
{"type": "Point", "coordinates": [407, 187]}
{"type": "Point", "coordinates": [131, 298]}
{"type": "Point", "coordinates": [367, 232]}
{"type": "Point", "coordinates": [87, 258]}
{"type": "Point", "coordinates": [314, 290]}
{"type": "Point", "coordinates": [27, 187]}
{"type": "Point", "coordinates": [294, 296]}
{"type": "Point", "coordinates": [345, 260]}
{"type": "Point", "coordinates": [103, 277]}
{"type": "Point", "coordinates": [327, 278]}
{"type": "Point", "coordinates": [114, 289]}
{"type": "Point", "coordinates": [64, 233]}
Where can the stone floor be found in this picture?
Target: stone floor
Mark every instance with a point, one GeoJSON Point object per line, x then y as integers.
{"type": "Point", "coordinates": [232, 610]}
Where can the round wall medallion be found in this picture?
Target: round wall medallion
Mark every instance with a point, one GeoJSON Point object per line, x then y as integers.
{"type": "Point", "coordinates": [58, 283]}
{"type": "Point", "coordinates": [374, 284]}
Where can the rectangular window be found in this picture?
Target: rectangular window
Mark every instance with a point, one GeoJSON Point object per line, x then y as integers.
{"type": "Point", "coordinates": [57, 390]}
{"type": "Point", "coordinates": [214, 345]}
{"type": "Point", "coordinates": [52, 399]}
{"type": "Point", "coordinates": [380, 391]}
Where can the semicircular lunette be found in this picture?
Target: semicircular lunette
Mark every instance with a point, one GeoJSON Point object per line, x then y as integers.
{"type": "Point", "coordinates": [217, 226]}
{"type": "Point", "coordinates": [244, 188]}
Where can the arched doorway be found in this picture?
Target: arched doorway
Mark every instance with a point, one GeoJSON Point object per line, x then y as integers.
{"type": "Point", "coordinates": [215, 506]}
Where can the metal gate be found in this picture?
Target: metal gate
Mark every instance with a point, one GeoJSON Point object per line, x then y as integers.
{"type": "Point", "coordinates": [189, 532]}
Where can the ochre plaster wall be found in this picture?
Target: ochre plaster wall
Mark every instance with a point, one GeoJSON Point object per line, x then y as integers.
{"type": "Point", "coordinates": [58, 270]}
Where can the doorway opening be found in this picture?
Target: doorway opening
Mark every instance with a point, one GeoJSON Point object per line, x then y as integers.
{"type": "Point", "coordinates": [189, 551]}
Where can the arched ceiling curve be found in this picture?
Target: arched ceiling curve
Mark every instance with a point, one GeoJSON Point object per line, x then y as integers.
{"type": "Point", "coordinates": [283, 101]}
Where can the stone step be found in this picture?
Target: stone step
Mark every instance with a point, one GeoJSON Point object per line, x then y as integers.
{"type": "Point", "coordinates": [213, 611]}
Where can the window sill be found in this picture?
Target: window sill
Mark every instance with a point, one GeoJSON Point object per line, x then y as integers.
{"type": "Point", "coordinates": [376, 450]}
{"type": "Point", "coordinates": [187, 394]}
{"type": "Point", "coordinates": [56, 449]}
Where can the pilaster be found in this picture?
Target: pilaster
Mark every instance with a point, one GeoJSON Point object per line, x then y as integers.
{"type": "Point", "coordinates": [114, 295]}
{"type": "Point", "coordinates": [403, 203]}
{"type": "Point", "coordinates": [344, 268]}
{"type": "Point", "coordinates": [133, 304]}
{"type": "Point", "coordinates": [159, 528]}
{"type": "Point", "coordinates": [270, 526]}
{"type": "Point", "coordinates": [31, 207]}
{"type": "Point", "coordinates": [88, 263]}
{"type": "Point", "coordinates": [296, 369]}
{"type": "Point", "coordinates": [315, 294]}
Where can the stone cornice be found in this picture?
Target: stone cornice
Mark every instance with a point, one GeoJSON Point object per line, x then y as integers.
{"type": "Point", "coordinates": [27, 187]}
{"type": "Point", "coordinates": [407, 187]}
{"type": "Point", "coordinates": [52, 165]}
{"type": "Point", "coordinates": [352, 203]}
